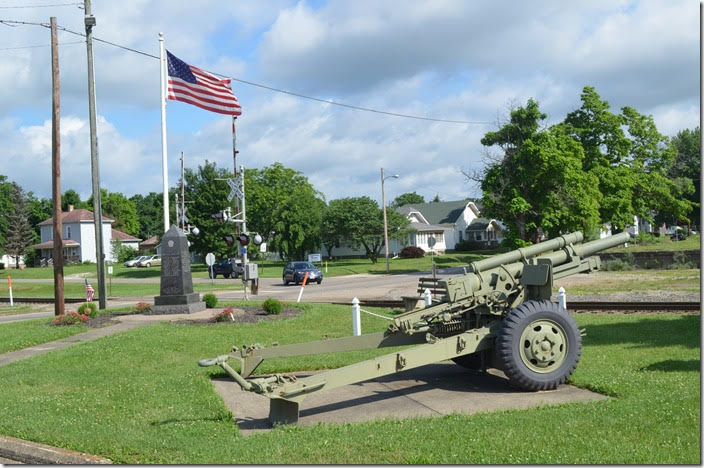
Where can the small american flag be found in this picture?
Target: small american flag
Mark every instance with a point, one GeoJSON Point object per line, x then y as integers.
{"type": "Point", "coordinates": [90, 292]}
{"type": "Point", "coordinates": [198, 87]}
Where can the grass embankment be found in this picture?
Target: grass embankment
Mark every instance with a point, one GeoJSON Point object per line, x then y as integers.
{"type": "Point", "coordinates": [606, 282]}
{"type": "Point", "coordinates": [139, 397]}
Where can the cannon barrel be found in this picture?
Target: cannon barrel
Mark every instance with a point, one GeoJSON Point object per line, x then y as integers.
{"type": "Point", "coordinates": [590, 248]}
{"type": "Point", "coordinates": [526, 252]}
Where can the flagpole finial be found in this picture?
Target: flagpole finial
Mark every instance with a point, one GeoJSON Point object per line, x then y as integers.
{"type": "Point", "coordinates": [161, 36]}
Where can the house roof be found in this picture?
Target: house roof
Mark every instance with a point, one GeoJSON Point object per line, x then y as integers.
{"type": "Point", "coordinates": [123, 236]}
{"type": "Point", "coordinates": [481, 224]}
{"type": "Point", "coordinates": [422, 227]}
{"type": "Point", "coordinates": [438, 212]}
{"type": "Point", "coordinates": [76, 216]}
{"type": "Point", "coordinates": [50, 244]}
{"type": "Point", "coordinates": [154, 240]}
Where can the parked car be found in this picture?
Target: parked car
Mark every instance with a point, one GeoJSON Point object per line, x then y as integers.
{"type": "Point", "coordinates": [134, 261]}
{"type": "Point", "coordinates": [226, 267]}
{"type": "Point", "coordinates": [295, 271]}
{"type": "Point", "coordinates": [678, 236]}
{"type": "Point", "coordinates": [150, 260]}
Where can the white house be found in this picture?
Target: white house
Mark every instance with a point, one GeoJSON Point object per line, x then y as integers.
{"type": "Point", "coordinates": [125, 239]}
{"type": "Point", "coordinates": [78, 233]}
{"type": "Point", "coordinates": [449, 223]}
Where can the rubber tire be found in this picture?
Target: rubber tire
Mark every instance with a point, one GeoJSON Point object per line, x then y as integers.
{"type": "Point", "coordinates": [285, 281]}
{"type": "Point", "coordinates": [225, 275]}
{"type": "Point", "coordinates": [149, 265]}
{"type": "Point", "coordinates": [320, 280]}
{"type": "Point", "coordinates": [508, 343]}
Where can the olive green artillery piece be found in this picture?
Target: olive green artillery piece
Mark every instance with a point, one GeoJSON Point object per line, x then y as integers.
{"type": "Point", "coordinates": [497, 315]}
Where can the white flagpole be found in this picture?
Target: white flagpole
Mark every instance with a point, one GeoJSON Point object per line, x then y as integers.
{"type": "Point", "coordinates": [163, 131]}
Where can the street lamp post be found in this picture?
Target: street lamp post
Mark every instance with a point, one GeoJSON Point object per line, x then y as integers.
{"type": "Point", "coordinates": [383, 204]}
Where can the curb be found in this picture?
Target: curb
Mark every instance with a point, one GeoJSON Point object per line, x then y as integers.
{"type": "Point", "coordinates": [39, 454]}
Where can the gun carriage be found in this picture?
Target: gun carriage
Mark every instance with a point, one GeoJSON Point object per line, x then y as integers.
{"type": "Point", "coordinates": [498, 315]}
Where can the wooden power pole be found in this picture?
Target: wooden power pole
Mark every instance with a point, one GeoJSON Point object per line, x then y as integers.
{"type": "Point", "coordinates": [56, 174]}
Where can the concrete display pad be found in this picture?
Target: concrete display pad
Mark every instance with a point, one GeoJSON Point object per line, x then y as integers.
{"type": "Point", "coordinates": [433, 390]}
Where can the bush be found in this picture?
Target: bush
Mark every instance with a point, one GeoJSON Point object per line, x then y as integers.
{"type": "Point", "coordinates": [412, 252]}
{"type": "Point", "coordinates": [469, 245]}
{"type": "Point", "coordinates": [223, 316]}
{"type": "Point", "coordinates": [616, 265]}
{"type": "Point", "coordinates": [143, 308]}
{"type": "Point", "coordinates": [70, 318]}
{"type": "Point", "coordinates": [272, 306]}
{"type": "Point", "coordinates": [92, 309]}
{"type": "Point", "coordinates": [645, 238]}
{"type": "Point", "coordinates": [121, 252]}
{"type": "Point", "coordinates": [210, 300]}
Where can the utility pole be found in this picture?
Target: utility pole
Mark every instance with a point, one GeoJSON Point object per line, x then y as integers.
{"type": "Point", "coordinates": [89, 21]}
{"type": "Point", "coordinates": [56, 174]}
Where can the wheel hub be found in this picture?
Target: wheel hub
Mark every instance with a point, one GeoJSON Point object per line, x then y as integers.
{"type": "Point", "coordinates": [543, 346]}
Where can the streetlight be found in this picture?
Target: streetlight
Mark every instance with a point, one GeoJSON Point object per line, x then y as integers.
{"type": "Point", "coordinates": [383, 203]}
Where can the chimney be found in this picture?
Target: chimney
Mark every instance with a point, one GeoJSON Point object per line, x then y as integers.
{"type": "Point", "coordinates": [70, 207]}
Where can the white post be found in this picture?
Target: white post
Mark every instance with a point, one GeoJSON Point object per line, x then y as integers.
{"type": "Point", "coordinates": [303, 285]}
{"type": "Point", "coordinates": [9, 286]}
{"type": "Point", "coordinates": [562, 298]}
{"type": "Point", "coordinates": [427, 297]}
{"type": "Point", "coordinates": [165, 175]}
{"type": "Point", "coordinates": [356, 322]}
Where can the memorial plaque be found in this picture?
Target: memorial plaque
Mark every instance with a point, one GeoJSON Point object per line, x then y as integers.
{"type": "Point", "coordinates": [176, 293]}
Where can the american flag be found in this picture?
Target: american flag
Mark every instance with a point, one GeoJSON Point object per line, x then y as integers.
{"type": "Point", "coordinates": [198, 87]}
{"type": "Point", "coordinates": [90, 292]}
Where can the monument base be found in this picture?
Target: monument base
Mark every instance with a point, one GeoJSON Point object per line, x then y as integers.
{"type": "Point", "coordinates": [177, 304]}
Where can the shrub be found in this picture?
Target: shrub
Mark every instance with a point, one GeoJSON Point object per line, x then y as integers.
{"type": "Point", "coordinates": [680, 261]}
{"type": "Point", "coordinates": [223, 316]}
{"type": "Point", "coordinates": [412, 252]}
{"type": "Point", "coordinates": [272, 306]}
{"type": "Point", "coordinates": [91, 307]}
{"type": "Point", "coordinates": [469, 245]}
{"type": "Point", "coordinates": [70, 318]}
{"type": "Point", "coordinates": [143, 308]}
{"type": "Point", "coordinates": [210, 300]}
{"type": "Point", "coordinates": [616, 265]}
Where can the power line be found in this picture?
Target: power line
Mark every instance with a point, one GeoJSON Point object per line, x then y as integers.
{"type": "Point", "coordinates": [40, 45]}
{"type": "Point", "coordinates": [41, 6]}
{"type": "Point", "coordinates": [270, 88]}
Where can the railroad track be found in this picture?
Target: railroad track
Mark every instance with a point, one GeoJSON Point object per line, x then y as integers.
{"type": "Point", "coordinates": [394, 304]}
{"type": "Point", "coordinates": [574, 305]}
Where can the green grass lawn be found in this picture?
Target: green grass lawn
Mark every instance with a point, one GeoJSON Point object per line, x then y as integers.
{"type": "Point", "coordinates": [661, 243]}
{"type": "Point", "coordinates": [78, 290]}
{"type": "Point", "coordinates": [19, 335]}
{"type": "Point", "coordinates": [139, 397]}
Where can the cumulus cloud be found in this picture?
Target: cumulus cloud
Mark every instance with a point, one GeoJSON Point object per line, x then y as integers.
{"type": "Point", "coordinates": [449, 59]}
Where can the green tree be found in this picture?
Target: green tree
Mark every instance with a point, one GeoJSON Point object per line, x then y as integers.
{"type": "Point", "coordinates": [5, 207]}
{"type": "Point", "coordinates": [630, 158]}
{"type": "Point", "coordinates": [686, 167]}
{"type": "Point", "coordinates": [408, 198]}
{"type": "Point", "coordinates": [331, 230]}
{"type": "Point", "coordinates": [209, 196]}
{"type": "Point", "coordinates": [150, 213]}
{"type": "Point", "coordinates": [539, 185]}
{"type": "Point", "coordinates": [298, 220]}
{"type": "Point", "coordinates": [361, 224]}
{"type": "Point", "coordinates": [123, 210]}
{"type": "Point", "coordinates": [71, 197]}
{"type": "Point", "coordinates": [20, 234]}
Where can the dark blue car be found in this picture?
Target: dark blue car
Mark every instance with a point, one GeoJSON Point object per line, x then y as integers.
{"type": "Point", "coordinates": [295, 271]}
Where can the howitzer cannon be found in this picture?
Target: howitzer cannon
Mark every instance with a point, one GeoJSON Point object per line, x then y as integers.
{"type": "Point", "coordinates": [497, 315]}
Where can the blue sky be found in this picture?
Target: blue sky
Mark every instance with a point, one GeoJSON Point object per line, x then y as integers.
{"type": "Point", "coordinates": [447, 59]}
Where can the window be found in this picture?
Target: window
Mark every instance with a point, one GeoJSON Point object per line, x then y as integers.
{"type": "Point", "coordinates": [68, 232]}
{"type": "Point", "coordinates": [478, 235]}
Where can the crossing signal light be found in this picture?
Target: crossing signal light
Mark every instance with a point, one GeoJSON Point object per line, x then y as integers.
{"type": "Point", "coordinates": [230, 240]}
{"type": "Point", "coordinates": [243, 238]}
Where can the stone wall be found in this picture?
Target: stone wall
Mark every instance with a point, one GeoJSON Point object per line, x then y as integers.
{"type": "Point", "coordinates": [655, 259]}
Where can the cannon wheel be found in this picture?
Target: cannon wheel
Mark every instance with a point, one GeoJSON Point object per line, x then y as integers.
{"type": "Point", "coordinates": [539, 345]}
